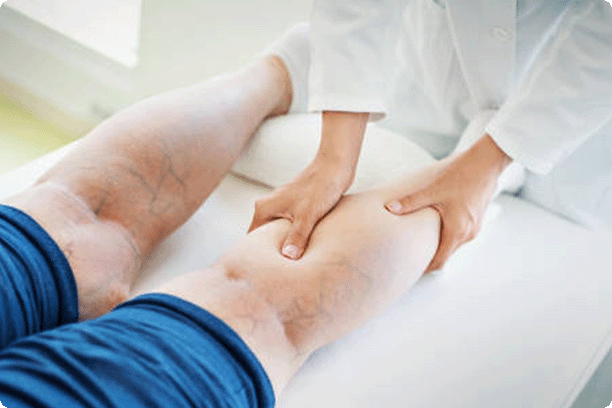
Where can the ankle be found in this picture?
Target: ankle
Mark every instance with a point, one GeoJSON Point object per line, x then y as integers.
{"type": "Point", "coordinates": [283, 87]}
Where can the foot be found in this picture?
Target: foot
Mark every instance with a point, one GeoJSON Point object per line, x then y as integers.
{"type": "Point", "coordinates": [293, 49]}
{"type": "Point", "coordinates": [282, 79]}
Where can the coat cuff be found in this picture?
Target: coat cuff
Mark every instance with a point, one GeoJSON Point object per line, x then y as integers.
{"type": "Point", "coordinates": [507, 142]}
{"type": "Point", "coordinates": [346, 103]}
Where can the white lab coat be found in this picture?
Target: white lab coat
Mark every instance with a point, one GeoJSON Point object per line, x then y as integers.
{"type": "Point", "coordinates": [430, 65]}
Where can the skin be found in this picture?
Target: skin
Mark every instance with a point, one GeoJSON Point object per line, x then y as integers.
{"type": "Point", "coordinates": [317, 189]}
{"type": "Point", "coordinates": [460, 192]}
{"type": "Point", "coordinates": [141, 174]}
{"type": "Point", "coordinates": [356, 266]}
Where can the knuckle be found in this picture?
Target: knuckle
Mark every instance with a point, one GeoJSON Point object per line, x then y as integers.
{"type": "Point", "coordinates": [472, 217]}
{"type": "Point", "coordinates": [309, 218]}
{"type": "Point", "coordinates": [461, 228]}
{"type": "Point", "coordinates": [302, 229]}
{"type": "Point", "coordinates": [413, 198]}
{"type": "Point", "coordinates": [465, 225]}
{"type": "Point", "coordinates": [465, 235]}
{"type": "Point", "coordinates": [406, 200]}
{"type": "Point", "coordinates": [455, 235]}
{"type": "Point", "coordinates": [472, 234]}
{"type": "Point", "coordinates": [297, 237]}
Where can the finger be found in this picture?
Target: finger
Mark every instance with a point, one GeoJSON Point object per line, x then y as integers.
{"type": "Point", "coordinates": [297, 238]}
{"type": "Point", "coordinates": [447, 246]}
{"type": "Point", "coordinates": [409, 203]}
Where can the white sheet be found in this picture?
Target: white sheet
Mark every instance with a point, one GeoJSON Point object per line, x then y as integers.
{"type": "Point", "coordinates": [520, 318]}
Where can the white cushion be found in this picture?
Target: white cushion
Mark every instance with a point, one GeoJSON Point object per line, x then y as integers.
{"type": "Point", "coordinates": [285, 145]}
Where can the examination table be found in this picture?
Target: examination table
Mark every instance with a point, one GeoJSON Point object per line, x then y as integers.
{"type": "Point", "coordinates": [519, 317]}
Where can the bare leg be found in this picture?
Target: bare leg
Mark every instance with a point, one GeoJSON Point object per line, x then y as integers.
{"type": "Point", "coordinates": [359, 260]}
{"type": "Point", "coordinates": [141, 174]}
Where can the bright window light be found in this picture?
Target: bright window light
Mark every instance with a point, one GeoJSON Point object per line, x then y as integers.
{"type": "Point", "coordinates": [110, 27]}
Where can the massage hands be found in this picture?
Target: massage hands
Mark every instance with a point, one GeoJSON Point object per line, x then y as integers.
{"type": "Point", "coordinates": [460, 192]}
{"type": "Point", "coordinates": [460, 189]}
{"type": "Point", "coordinates": [316, 191]}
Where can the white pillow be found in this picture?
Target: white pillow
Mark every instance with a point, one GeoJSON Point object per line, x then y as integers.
{"type": "Point", "coordinates": [285, 145]}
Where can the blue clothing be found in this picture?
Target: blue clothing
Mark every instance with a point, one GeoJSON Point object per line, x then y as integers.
{"type": "Point", "coordinates": [37, 287]}
{"type": "Point", "coordinates": [154, 351]}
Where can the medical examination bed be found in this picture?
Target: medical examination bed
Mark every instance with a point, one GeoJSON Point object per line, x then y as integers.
{"type": "Point", "coordinates": [519, 317]}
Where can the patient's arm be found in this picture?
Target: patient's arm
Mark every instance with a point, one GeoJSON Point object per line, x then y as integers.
{"type": "Point", "coordinates": [360, 259]}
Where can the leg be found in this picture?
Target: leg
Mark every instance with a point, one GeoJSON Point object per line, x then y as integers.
{"type": "Point", "coordinates": [359, 260]}
{"type": "Point", "coordinates": [160, 350]}
{"type": "Point", "coordinates": [141, 174]}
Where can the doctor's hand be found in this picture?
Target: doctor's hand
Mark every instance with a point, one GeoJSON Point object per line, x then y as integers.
{"type": "Point", "coordinates": [317, 190]}
{"type": "Point", "coordinates": [304, 201]}
{"type": "Point", "coordinates": [460, 192]}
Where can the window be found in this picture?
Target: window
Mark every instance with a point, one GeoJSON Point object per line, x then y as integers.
{"type": "Point", "coordinates": [110, 27]}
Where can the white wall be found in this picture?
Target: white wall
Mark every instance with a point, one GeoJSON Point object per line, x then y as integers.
{"type": "Point", "coordinates": [185, 41]}
{"type": "Point", "coordinates": [182, 42]}
{"type": "Point", "coordinates": [111, 27]}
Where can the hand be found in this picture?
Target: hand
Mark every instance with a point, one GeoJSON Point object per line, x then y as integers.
{"type": "Point", "coordinates": [318, 188]}
{"type": "Point", "coordinates": [304, 201]}
{"type": "Point", "coordinates": [460, 192]}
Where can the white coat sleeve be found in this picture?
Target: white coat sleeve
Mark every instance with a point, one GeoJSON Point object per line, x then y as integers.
{"type": "Point", "coordinates": [566, 95]}
{"type": "Point", "coordinates": [352, 49]}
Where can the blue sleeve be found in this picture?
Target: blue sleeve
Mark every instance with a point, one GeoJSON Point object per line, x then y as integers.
{"type": "Point", "coordinates": [37, 287]}
{"type": "Point", "coordinates": [154, 351]}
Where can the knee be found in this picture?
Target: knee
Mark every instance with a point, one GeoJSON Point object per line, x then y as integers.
{"type": "Point", "coordinates": [94, 303]}
{"type": "Point", "coordinates": [102, 254]}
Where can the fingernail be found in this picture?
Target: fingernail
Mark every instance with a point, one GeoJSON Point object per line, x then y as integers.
{"type": "Point", "coordinates": [290, 251]}
{"type": "Point", "coordinates": [394, 206]}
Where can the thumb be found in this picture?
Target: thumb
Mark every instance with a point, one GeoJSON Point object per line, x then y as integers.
{"type": "Point", "coordinates": [297, 239]}
{"type": "Point", "coordinates": [409, 203]}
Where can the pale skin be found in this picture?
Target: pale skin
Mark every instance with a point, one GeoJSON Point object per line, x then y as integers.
{"type": "Point", "coordinates": [356, 265]}
{"type": "Point", "coordinates": [460, 192]}
{"type": "Point", "coordinates": [140, 175]}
